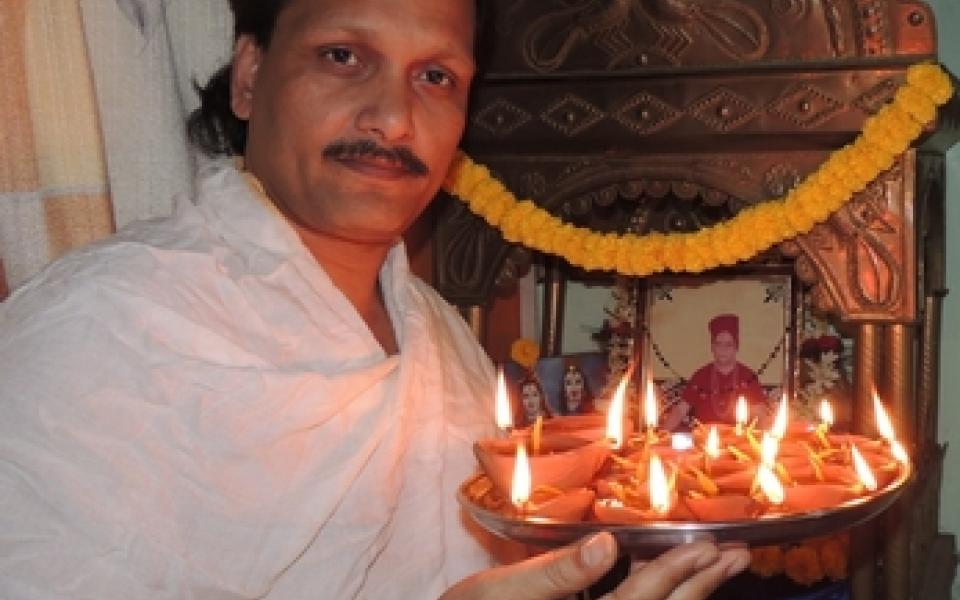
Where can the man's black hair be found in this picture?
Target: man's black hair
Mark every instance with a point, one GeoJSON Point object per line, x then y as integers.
{"type": "Point", "coordinates": [212, 126]}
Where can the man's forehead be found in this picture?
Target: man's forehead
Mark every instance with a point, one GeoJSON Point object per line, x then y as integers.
{"type": "Point", "coordinates": [441, 22]}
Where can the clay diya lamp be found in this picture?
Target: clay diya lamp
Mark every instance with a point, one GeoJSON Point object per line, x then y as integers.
{"type": "Point", "coordinates": [863, 442]}
{"type": "Point", "coordinates": [569, 506]}
{"type": "Point", "coordinates": [728, 507]}
{"type": "Point", "coordinates": [586, 427]}
{"type": "Point", "coordinates": [818, 496]}
{"type": "Point", "coordinates": [679, 458]}
{"type": "Point", "coordinates": [613, 512]}
{"type": "Point", "coordinates": [564, 462]}
{"type": "Point", "coordinates": [736, 482]}
{"type": "Point", "coordinates": [727, 434]}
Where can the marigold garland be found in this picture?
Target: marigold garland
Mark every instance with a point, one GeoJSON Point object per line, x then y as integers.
{"type": "Point", "coordinates": [846, 171]}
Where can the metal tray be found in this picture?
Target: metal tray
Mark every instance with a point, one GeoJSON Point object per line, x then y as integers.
{"type": "Point", "coordinates": [651, 539]}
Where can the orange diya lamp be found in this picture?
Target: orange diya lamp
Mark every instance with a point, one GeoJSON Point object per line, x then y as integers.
{"type": "Point", "coordinates": [560, 461]}
{"type": "Point", "coordinates": [544, 502]}
{"type": "Point", "coordinates": [654, 499]}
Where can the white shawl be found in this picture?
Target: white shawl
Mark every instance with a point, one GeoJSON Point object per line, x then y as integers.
{"type": "Point", "coordinates": [192, 410]}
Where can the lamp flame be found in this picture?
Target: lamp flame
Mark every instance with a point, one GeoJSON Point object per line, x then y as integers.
{"type": "Point", "coordinates": [650, 405]}
{"type": "Point", "coordinates": [769, 447]}
{"type": "Point", "coordinates": [899, 452]}
{"type": "Point", "coordinates": [615, 415]}
{"type": "Point", "coordinates": [520, 490]}
{"type": "Point", "coordinates": [779, 428]}
{"type": "Point", "coordinates": [502, 404]}
{"type": "Point", "coordinates": [743, 412]}
{"type": "Point", "coordinates": [826, 413]}
{"type": "Point", "coordinates": [770, 485]}
{"type": "Point", "coordinates": [659, 487]}
{"type": "Point", "coordinates": [863, 470]}
{"type": "Point", "coordinates": [712, 447]}
{"type": "Point", "coordinates": [884, 426]}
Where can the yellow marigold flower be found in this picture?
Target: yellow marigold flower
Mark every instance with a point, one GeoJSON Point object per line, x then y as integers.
{"type": "Point", "coordinates": [884, 136]}
{"type": "Point", "coordinates": [834, 558]}
{"type": "Point", "coordinates": [525, 352]}
{"type": "Point", "coordinates": [766, 561]}
{"type": "Point", "coordinates": [802, 564]}
{"type": "Point", "coordinates": [931, 80]}
{"type": "Point", "coordinates": [919, 105]}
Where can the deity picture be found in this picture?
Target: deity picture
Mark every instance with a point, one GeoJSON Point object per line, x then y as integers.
{"type": "Point", "coordinates": [532, 401]}
{"type": "Point", "coordinates": [575, 395]}
{"type": "Point", "coordinates": [710, 340]}
{"type": "Point", "coordinates": [566, 384]}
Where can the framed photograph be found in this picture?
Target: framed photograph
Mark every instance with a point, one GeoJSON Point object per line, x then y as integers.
{"type": "Point", "coordinates": [570, 384]}
{"type": "Point", "coordinates": [709, 339]}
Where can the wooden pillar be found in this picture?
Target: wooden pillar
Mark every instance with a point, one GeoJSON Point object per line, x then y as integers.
{"type": "Point", "coordinates": [898, 388]}
{"type": "Point", "coordinates": [928, 369]}
{"type": "Point", "coordinates": [864, 538]}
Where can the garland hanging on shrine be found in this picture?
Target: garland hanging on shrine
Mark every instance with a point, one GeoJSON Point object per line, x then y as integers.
{"type": "Point", "coordinates": [884, 136]}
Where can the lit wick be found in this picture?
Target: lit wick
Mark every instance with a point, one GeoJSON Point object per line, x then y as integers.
{"type": "Point", "coordinates": [521, 488]}
{"type": "Point", "coordinates": [659, 487]}
{"type": "Point", "coordinates": [502, 412]}
{"type": "Point", "coordinates": [826, 422]}
{"type": "Point", "coordinates": [779, 428]}
{"type": "Point", "coordinates": [743, 414]}
{"type": "Point", "coordinates": [536, 435]}
{"type": "Point", "coordinates": [650, 411]}
{"type": "Point", "coordinates": [867, 478]}
{"type": "Point", "coordinates": [711, 451]}
{"type": "Point", "coordinates": [886, 431]}
{"type": "Point", "coordinates": [615, 415]}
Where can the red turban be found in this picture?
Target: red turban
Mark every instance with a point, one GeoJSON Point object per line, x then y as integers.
{"type": "Point", "coordinates": [729, 323]}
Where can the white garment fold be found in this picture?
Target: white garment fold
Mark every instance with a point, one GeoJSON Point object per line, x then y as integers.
{"type": "Point", "coordinates": [193, 410]}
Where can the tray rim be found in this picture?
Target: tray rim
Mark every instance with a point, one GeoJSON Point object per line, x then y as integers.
{"type": "Point", "coordinates": [655, 537]}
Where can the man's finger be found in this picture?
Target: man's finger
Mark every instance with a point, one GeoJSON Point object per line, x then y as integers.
{"type": "Point", "coordinates": [701, 585]}
{"type": "Point", "coordinates": [657, 579]}
{"type": "Point", "coordinates": [552, 575]}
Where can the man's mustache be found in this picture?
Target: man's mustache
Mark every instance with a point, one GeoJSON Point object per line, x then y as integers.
{"type": "Point", "coordinates": [354, 149]}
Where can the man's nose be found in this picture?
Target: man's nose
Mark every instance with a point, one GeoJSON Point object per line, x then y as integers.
{"type": "Point", "coordinates": [387, 114]}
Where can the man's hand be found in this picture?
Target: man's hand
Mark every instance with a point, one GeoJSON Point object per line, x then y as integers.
{"type": "Point", "coordinates": [689, 572]}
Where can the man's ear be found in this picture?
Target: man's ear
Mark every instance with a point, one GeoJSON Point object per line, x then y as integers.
{"type": "Point", "coordinates": [243, 75]}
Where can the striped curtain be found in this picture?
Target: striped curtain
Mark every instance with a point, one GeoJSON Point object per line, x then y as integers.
{"type": "Point", "coordinates": [93, 100]}
{"type": "Point", "coordinates": [53, 181]}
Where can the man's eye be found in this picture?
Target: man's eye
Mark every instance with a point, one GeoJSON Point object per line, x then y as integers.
{"type": "Point", "coordinates": [341, 56]}
{"type": "Point", "coordinates": [438, 77]}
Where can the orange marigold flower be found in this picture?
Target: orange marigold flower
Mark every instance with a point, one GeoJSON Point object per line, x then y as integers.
{"type": "Point", "coordinates": [525, 352]}
{"type": "Point", "coordinates": [834, 559]}
{"type": "Point", "coordinates": [802, 564]}
{"type": "Point", "coordinates": [766, 561]}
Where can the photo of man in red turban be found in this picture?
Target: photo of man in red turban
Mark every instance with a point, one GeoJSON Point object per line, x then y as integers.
{"type": "Point", "coordinates": [712, 391]}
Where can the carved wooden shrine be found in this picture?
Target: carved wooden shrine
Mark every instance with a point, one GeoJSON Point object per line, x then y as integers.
{"type": "Point", "coordinates": [670, 115]}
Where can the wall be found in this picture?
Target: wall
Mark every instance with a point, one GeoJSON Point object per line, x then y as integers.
{"type": "Point", "coordinates": [948, 18]}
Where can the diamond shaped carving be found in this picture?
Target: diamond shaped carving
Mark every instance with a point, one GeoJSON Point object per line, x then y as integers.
{"type": "Point", "coordinates": [724, 109]}
{"type": "Point", "coordinates": [806, 106]}
{"type": "Point", "coordinates": [646, 114]}
{"type": "Point", "coordinates": [873, 99]}
{"type": "Point", "coordinates": [572, 115]}
{"type": "Point", "coordinates": [501, 117]}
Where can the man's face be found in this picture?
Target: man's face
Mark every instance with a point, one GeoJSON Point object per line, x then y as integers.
{"type": "Point", "coordinates": [355, 110]}
{"type": "Point", "coordinates": [530, 395]}
{"type": "Point", "coordinates": [724, 349]}
{"type": "Point", "coordinates": [573, 386]}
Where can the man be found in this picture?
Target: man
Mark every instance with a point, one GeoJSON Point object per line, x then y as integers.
{"type": "Point", "coordinates": [255, 398]}
{"type": "Point", "coordinates": [712, 392]}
